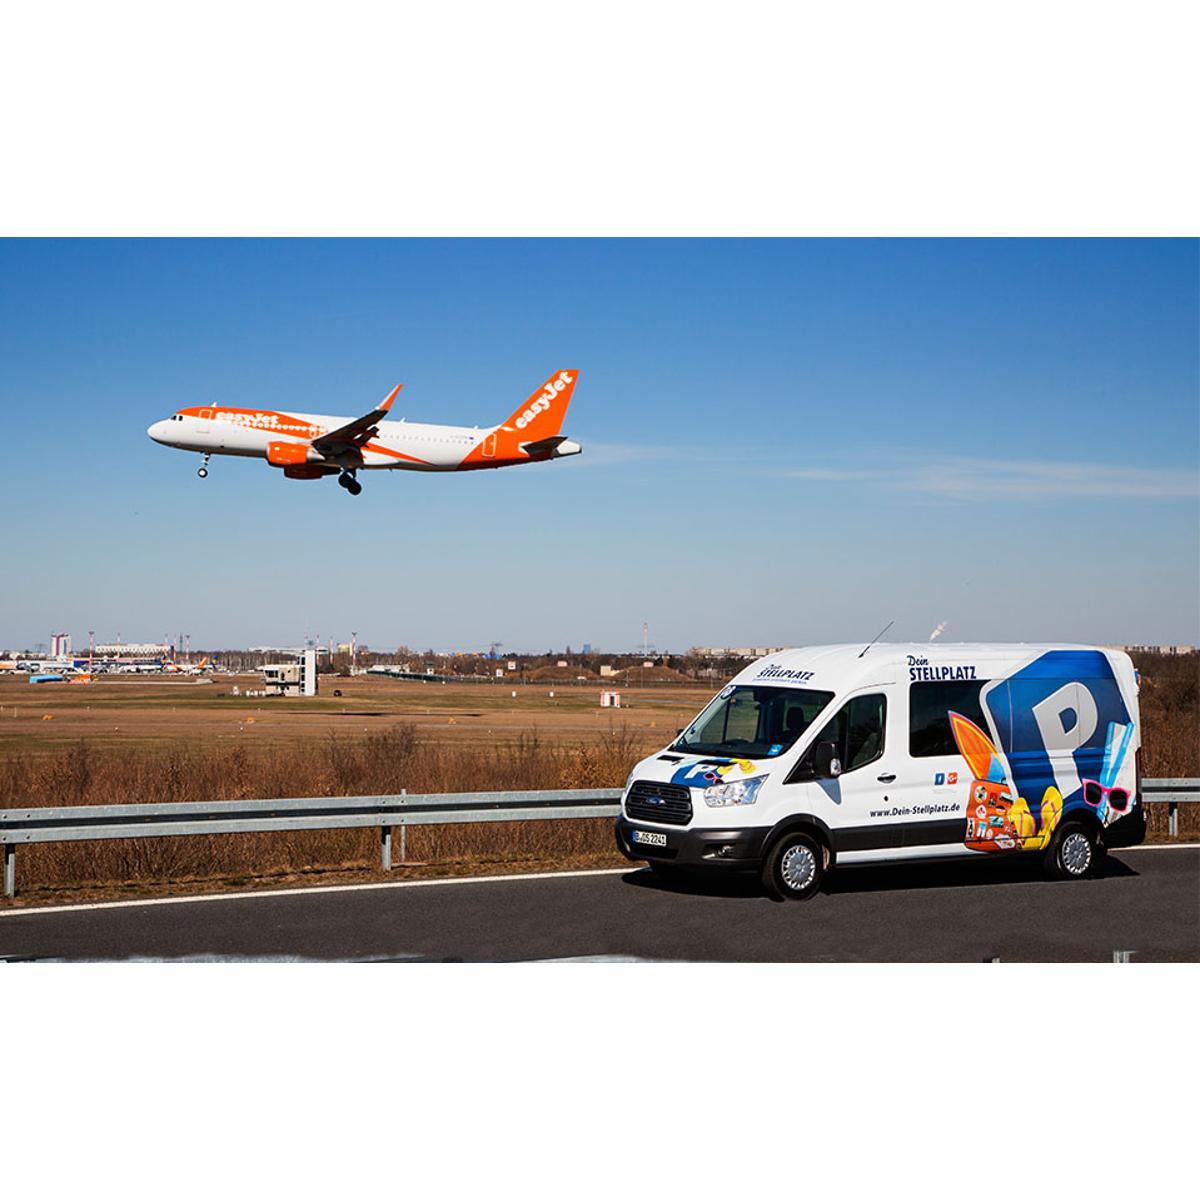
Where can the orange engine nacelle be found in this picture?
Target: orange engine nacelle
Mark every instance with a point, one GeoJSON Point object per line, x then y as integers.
{"type": "Point", "coordinates": [287, 454]}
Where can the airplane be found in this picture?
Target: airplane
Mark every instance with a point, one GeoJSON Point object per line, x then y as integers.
{"type": "Point", "coordinates": [309, 446]}
{"type": "Point", "coordinates": [187, 668]}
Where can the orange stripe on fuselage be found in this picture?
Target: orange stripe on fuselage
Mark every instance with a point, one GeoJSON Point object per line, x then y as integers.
{"type": "Point", "coordinates": [378, 449]}
{"type": "Point", "coordinates": [264, 420]}
{"type": "Point", "coordinates": [475, 461]}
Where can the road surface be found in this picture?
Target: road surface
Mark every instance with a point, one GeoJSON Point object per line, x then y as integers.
{"type": "Point", "coordinates": [1147, 901]}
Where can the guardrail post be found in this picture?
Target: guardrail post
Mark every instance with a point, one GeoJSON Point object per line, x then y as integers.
{"type": "Point", "coordinates": [386, 847]}
{"type": "Point", "coordinates": [10, 870]}
{"type": "Point", "coordinates": [1122, 956]}
{"type": "Point", "coordinates": [1173, 818]}
{"type": "Point", "coordinates": [404, 835]}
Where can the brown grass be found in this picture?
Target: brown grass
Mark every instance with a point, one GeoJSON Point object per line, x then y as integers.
{"type": "Point", "coordinates": [1170, 706]}
{"type": "Point", "coordinates": [378, 764]}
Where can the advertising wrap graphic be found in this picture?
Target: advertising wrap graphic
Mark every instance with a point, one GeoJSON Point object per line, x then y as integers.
{"type": "Point", "coordinates": [1064, 734]}
{"type": "Point", "coordinates": [708, 771]}
{"type": "Point", "coordinates": [995, 819]}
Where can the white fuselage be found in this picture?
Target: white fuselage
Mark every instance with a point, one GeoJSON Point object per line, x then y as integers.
{"type": "Point", "coordinates": [399, 444]}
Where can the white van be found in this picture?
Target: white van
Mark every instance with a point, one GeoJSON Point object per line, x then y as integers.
{"type": "Point", "coordinates": [832, 756]}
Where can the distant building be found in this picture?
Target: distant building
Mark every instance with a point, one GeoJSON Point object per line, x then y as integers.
{"type": "Point", "coordinates": [738, 651]}
{"type": "Point", "coordinates": [296, 678]}
{"type": "Point", "coordinates": [60, 645]}
{"type": "Point", "coordinates": [134, 650]}
{"type": "Point", "coordinates": [1172, 650]}
{"type": "Point", "coordinates": [607, 670]}
{"type": "Point", "coordinates": [587, 647]}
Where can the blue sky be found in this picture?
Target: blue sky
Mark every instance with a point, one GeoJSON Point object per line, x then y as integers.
{"type": "Point", "coordinates": [784, 442]}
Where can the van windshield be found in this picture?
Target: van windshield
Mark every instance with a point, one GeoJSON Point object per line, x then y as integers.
{"type": "Point", "coordinates": [752, 722]}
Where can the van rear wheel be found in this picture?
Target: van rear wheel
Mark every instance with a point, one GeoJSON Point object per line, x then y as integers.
{"type": "Point", "coordinates": [795, 868]}
{"type": "Point", "coordinates": [1074, 854]}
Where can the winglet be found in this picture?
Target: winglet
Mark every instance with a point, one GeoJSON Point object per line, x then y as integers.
{"type": "Point", "coordinates": [391, 396]}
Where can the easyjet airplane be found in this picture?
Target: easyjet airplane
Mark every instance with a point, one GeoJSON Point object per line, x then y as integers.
{"type": "Point", "coordinates": [307, 446]}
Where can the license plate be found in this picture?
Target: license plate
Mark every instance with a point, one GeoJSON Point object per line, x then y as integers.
{"type": "Point", "coordinates": [648, 837]}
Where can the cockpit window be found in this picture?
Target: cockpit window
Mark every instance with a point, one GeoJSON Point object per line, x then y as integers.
{"type": "Point", "coordinates": [753, 722]}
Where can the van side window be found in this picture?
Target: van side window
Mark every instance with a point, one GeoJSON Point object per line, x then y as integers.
{"type": "Point", "coordinates": [929, 709]}
{"type": "Point", "coordinates": [857, 731]}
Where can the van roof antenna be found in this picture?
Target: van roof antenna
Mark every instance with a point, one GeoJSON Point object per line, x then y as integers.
{"type": "Point", "coordinates": [877, 636]}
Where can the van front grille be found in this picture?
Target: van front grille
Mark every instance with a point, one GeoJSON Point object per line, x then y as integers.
{"type": "Point", "coordinates": [663, 803]}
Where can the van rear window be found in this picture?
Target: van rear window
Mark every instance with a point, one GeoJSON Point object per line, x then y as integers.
{"type": "Point", "coordinates": [929, 708]}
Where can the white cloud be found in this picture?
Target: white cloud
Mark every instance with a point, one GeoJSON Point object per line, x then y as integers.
{"type": "Point", "coordinates": [1016, 479]}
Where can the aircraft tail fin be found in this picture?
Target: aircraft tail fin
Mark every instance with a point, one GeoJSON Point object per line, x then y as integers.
{"type": "Point", "coordinates": [542, 415]}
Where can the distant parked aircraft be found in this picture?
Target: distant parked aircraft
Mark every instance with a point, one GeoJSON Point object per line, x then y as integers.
{"type": "Point", "coordinates": [186, 668]}
{"type": "Point", "coordinates": [308, 446]}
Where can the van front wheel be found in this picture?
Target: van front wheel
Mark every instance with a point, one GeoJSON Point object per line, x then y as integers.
{"type": "Point", "coordinates": [795, 868]}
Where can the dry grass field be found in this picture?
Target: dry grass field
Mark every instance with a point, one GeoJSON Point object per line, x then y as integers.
{"type": "Point", "coordinates": [130, 739]}
{"type": "Point", "coordinates": [151, 739]}
{"type": "Point", "coordinates": [139, 713]}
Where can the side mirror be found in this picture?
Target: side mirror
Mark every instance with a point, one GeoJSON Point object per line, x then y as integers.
{"type": "Point", "coordinates": [826, 764]}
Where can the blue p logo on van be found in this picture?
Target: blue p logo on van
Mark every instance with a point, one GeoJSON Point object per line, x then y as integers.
{"type": "Point", "coordinates": [1052, 720]}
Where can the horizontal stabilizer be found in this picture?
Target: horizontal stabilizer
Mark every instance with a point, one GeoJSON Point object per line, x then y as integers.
{"type": "Point", "coordinates": [545, 446]}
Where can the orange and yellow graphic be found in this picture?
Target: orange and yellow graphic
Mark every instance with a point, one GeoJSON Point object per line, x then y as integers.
{"type": "Point", "coordinates": [996, 820]}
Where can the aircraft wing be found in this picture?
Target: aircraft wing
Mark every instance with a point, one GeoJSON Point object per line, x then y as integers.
{"type": "Point", "coordinates": [356, 433]}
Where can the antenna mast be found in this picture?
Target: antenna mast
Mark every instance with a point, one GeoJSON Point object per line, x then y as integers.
{"type": "Point", "coordinates": [877, 636]}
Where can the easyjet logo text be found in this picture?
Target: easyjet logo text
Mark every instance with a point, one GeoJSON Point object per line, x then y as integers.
{"type": "Point", "coordinates": [541, 403]}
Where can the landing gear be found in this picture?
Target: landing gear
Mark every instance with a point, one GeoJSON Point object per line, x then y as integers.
{"type": "Point", "coordinates": [347, 480]}
{"type": "Point", "coordinates": [203, 471]}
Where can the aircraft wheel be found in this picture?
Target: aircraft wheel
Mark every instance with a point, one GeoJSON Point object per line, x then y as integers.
{"type": "Point", "coordinates": [344, 480]}
{"type": "Point", "coordinates": [203, 472]}
{"type": "Point", "coordinates": [354, 487]}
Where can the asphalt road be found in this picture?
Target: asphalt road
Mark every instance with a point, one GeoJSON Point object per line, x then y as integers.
{"type": "Point", "coordinates": [1147, 901]}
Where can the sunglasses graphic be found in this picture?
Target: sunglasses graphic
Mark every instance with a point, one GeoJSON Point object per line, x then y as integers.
{"type": "Point", "coordinates": [1095, 793]}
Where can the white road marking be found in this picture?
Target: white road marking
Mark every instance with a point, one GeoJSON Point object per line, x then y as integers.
{"type": "Point", "coordinates": [1167, 846]}
{"type": "Point", "coordinates": [267, 893]}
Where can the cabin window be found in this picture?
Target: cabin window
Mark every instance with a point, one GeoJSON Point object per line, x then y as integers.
{"type": "Point", "coordinates": [857, 730]}
{"type": "Point", "coordinates": [929, 708]}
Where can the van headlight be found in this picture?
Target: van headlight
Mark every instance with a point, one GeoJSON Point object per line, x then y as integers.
{"type": "Point", "coordinates": [743, 792]}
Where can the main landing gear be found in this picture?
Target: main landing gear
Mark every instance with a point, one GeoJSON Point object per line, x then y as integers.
{"type": "Point", "coordinates": [203, 471]}
{"type": "Point", "coordinates": [346, 479]}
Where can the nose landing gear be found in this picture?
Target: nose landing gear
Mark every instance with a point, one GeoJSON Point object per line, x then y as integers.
{"type": "Point", "coordinates": [203, 471]}
{"type": "Point", "coordinates": [346, 479]}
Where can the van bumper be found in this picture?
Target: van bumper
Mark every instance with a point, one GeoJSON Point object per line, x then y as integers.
{"type": "Point", "coordinates": [1129, 830]}
{"type": "Point", "coordinates": [728, 849]}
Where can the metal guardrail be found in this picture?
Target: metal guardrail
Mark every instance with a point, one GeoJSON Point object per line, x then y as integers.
{"type": "Point", "coordinates": [1172, 793]}
{"type": "Point", "coordinates": [91, 822]}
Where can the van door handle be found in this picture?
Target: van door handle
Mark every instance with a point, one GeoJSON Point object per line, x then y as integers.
{"type": "Point", "coordinates": [887, 779]}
